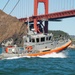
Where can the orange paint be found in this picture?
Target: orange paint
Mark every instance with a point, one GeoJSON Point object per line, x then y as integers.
{"type": "Point", "coordinates": [29, 48]}
{"type": "Point", "coordinates": [6, 50]}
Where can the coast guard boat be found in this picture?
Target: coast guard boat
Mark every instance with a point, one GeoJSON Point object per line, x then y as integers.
{"type": "Point", "coordinates": [35, 44]}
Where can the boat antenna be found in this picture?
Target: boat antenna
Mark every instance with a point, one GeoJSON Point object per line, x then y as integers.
{"type": "Point", "coordinates": [43, 29]}
{"type": "Point", "coordinates": [28, 24]}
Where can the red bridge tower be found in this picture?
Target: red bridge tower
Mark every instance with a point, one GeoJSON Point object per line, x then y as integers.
{"type": "Point", "coordinates": [36, 14]}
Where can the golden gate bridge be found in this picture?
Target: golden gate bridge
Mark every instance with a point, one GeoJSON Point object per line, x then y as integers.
{"type": "Point", "coordinates": [53, 16]}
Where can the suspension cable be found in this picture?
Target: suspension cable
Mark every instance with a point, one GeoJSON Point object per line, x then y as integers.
{"type": "Point", "coordinates": [5, 4]}
{"type": "Point", "coordinates": [14, 7]}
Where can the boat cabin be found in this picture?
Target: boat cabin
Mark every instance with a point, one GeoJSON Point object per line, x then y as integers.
{"type": "Point", "coordinates": [38, 41]}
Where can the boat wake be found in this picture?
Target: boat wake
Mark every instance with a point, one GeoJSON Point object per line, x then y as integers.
{"type": "Point", "coordinates": [17, 57]}
{"type": "Point", "coordinates": [54, 55]}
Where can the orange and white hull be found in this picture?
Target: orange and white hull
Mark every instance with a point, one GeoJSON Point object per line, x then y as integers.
{"type": "Point", "coordinates": [58, 49]}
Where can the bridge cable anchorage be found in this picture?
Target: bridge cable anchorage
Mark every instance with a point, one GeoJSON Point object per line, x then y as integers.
{"type": "Point", "coordinates": [14, 7]}
{"type": "Point", "coordinates": [6, 4]}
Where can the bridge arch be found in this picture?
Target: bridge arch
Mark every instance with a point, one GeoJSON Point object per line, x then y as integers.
{"type": "Point", "coordinates": [36, 2]}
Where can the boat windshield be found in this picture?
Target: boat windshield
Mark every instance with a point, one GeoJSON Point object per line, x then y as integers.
{"type": "Point", "coordinates": [38, 39]}
{"type": "Point", "coordinates": [33, 40]}
{"type": "Point", "coordinates": [42, 39]}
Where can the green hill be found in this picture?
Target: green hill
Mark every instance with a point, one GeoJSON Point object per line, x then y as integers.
{"type": "Point", "coordinates": [58, 33]}
{"type": "Point", "coordinates": [72, 38]}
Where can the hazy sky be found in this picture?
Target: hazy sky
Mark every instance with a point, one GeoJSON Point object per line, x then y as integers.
{"type": "Point", "coordinates": [25, 8]}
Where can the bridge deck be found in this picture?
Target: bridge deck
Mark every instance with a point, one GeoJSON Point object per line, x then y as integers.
{"type": "Point", "coordinates": [51, 16]}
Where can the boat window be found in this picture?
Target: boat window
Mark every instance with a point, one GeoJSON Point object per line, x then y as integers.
{"type": "Point", "coordinates": [29, 39]}
{"type": "Point", "coordinates": [33, 40]}
{"type": "Point", "coordinates": [37, 39]}
{"type": "Point", "coordinates": [25, 40]}
{"type": "Point", "coordinates": [46, 38]}
{"type": "Point", "coordinates": [49, 37]}
{"type": "Point", "coordinates": [42, 39]}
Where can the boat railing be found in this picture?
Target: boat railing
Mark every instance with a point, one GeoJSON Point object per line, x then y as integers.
{"type": "Point", "coordinates": [17, 50]}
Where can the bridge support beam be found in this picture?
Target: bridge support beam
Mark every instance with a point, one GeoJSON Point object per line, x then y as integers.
{"type": "Point", "coordinates": [36, 13]}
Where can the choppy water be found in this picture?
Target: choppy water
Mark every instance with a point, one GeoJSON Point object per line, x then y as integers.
{"type": "Point", "coordinates": [55, 64]}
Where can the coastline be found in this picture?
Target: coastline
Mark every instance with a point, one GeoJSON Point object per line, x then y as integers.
{"type": "Point", "coordinates": [72, 46]}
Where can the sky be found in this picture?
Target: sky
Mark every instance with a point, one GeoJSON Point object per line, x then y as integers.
{"type": "Point", "coordinates": [25, 8]}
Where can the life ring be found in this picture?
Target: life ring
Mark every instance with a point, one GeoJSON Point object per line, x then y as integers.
{"type": "Point", "coordinates": [6, 50]}
{"type": "Point", "coordinates": [29, 48]}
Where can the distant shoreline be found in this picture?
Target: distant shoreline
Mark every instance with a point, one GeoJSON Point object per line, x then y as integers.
{"type": "Point", "coordinates": [72, 46]}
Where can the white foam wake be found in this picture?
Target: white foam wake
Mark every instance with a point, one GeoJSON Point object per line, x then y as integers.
{"type": "Point", "coordinates": [18, 57]}
{"type": "Point", "coordinates": [13, 57]}
{"type": "Point", "coordinates": [54, 55]}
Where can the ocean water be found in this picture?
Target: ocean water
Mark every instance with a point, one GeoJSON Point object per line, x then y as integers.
{"type": "Point", "coordinates": [62, 63]}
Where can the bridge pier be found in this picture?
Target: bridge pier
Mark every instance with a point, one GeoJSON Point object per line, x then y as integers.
{"type": "Point", "coordinates": [46, 27]}
{"type": "Point", "coordinates": [36, 13]}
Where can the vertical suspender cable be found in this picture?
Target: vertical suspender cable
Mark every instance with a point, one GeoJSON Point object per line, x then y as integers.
{"type": "Point", "coordinates": [60, 5]}
{"type": "Point", "coordinates": [5, 4]}
{"type": "Point", "coordinates": [19, 10]}
{"type": "Point", "coordinates": [73, 4]}
{"type": "Point", "coordinates": [57, 6]}
{"type": "Point", "coordinates": [54, 7]}
{"type": "Point", "coordinates": [22, 8]}
{"type": "Point", "coordinates": [70, 4]}
{"type": "Point", "coordinates": [67, 2]}
{"type": "Point", "coordinates": [64, 4]}
{"type": "Point", "coordinates": [26, 8]}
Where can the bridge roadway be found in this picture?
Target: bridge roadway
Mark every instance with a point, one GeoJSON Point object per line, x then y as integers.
{"type": "Point", "coordinates": [51, 16]}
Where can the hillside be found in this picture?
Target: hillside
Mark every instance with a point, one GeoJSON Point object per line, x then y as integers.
{"type": "Point", "coordinates": [10, 27]}
{"type": "Point", "coordinates": [58, 33]}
